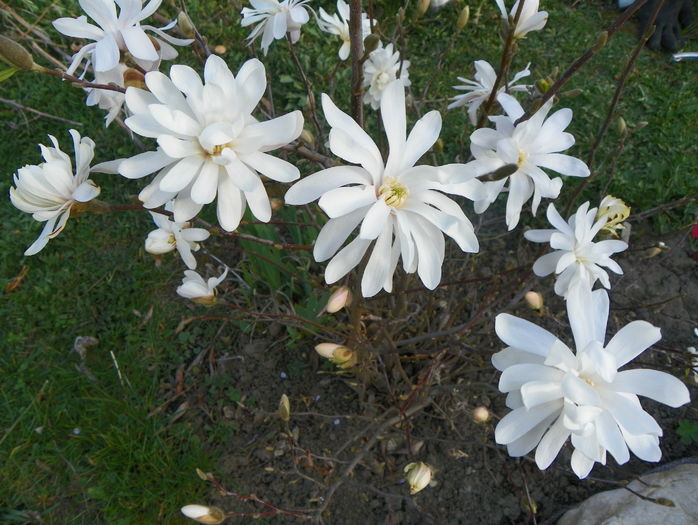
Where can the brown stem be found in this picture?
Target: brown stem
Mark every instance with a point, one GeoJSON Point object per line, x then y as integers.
{"type": "Point", "coordinates": [82, 83]}
{"type": "Point", "coordinates": [37, 112]}
{"type": "Point", "coordinates": [312, 108]}
{"type": "Point", "coordinates": [355, 38]}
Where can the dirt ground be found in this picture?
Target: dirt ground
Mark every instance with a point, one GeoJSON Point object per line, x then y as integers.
{"type": "Point", "coordinates": [344, 447]}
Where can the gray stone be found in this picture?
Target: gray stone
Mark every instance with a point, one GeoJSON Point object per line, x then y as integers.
{"type": "Point", "coordinates": [678, 485]}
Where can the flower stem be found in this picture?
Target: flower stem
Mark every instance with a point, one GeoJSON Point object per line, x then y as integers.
{"type": "Point", "coordinates": [355, 39]}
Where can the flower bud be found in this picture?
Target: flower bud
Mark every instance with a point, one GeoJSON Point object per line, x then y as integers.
{"type": "Point", "coordinates": [276, 204]}
{"type": "Point", "coordinates": [134, 78]}
{"type": "Point", "coordinates": [615, 211]}
{"type": "Point", "coordinates": [15, 54]}
{"type": "Point", "coordinates": [185, 25]}
{"type": "Point", "coordinates": [307, 137]}
{"type": "Point", "coordinates": [400, 18]}
{"type": "Point", "coordinates": [481, 415]}
{"type": "Point", "coordinates": [418, 476]}
{"type": "Point", "coordinates": [463, 18]}
{"type": "Point", "coordinates": [622, 126]}
{"type": "Point", "coordinates": [543, 85]}
{"type": "Point", "coordinates": [371, 43]}
{"type": "Point", "coordinates": [326, 349]}
{"type": "Point", "coordinates": [601, 41]}
{"type": "Point", "coordinates": [219, 49]}
{"type": "Point", "coordinates": [344, 357]}
{"type": "Point", "coordinates": [340, 298]}
{"type": "Point", "coordinates": [284, 408]}
{"type": "Point", "coordinates": [202, 514]}
{"type": "Point", "coordinates": [422, 7]}
{"type": "Point", "coordinates": [534, 300]}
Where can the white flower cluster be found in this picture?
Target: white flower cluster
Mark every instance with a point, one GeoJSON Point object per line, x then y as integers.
{"type": "Point", "coordinates": [113, 37]}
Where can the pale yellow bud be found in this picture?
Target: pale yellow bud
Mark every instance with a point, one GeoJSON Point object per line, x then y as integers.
{"type": "Point", "coordinates": [615, 211]}
{"type": "Point", "coordinates": [276, 204]}
{"type": "Point", "coordinates": [622, 126]}
{"type": "Point", "coordinates": [326, 349]}
{"type": "Point", "coordinates": [340, 298]}
{"type": "Point", "coordinates": [481, 415]}
{"type": "Point", "coordinates": [534, 300]}
{"type": "Point", "coordinates": [422, 7]}
{"type": "Point", "coordinates": [418, 476]}
{"type": "Point", "coordinates": [344, 357]}
{"type": "Point", "coordinates": [202, 514]}
{"type": "Point", "coordinates": [463, 18]}
{"type": "Point", "coordinates": [219, 49]}
{"type": "Point", "coordinates": [185, 25]}
{"type": "Point", "coordinates": [307, 137]}
{"type": "Point", "coordinates": [284, 408]}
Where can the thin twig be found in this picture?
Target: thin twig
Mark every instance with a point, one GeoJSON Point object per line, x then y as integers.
{"type": "Point", "coordinates": [356, 43]}
{"type": "Point", "coordinates": [36, 111]}
{"type": "Point", "coordinates": [312, 108]}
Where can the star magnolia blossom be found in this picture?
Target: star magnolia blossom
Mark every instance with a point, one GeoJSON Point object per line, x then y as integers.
{"type": "Point", "coordinates": [114, 34]}
{"type": "Point", "coordinates": [275, 19]}
{"type": "Point", "coordinates": [556, 394]}
{"type": "Point", "coordinates": [577, 260]}
{"type": "Point", "coordinates": [338, 24]}
{"type": "Point", "coordinates": [398, 204]}
{"type": "Point", "coordinates": [170, 235]}
{"type": "Point", "coordinates": [479, 89]}
{"type": "Point", "coordinates": [526, 148]}
{"type": "Point", "coordinates": [380, 70]}
{"type": "Point", "coordinates": [196, 289]}
{"type": "Point", "coordinates": [529, 20]}
{"type": "Point", "coordinates": [112, 101]}
{"type": "Point", "coordinates": [51, 190]}
{"type": "Point", "coordinates": [209, 143]}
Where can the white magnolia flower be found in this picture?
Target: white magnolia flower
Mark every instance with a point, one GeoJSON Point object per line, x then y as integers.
{"type": "Point", "coordinates": [338, 24]}
{"type": "Point", "coordinates": [111, 101]}
{"type": "Point", "coordinates": [196, 289]}
{"type": "Point", "coordinates": [114, 34]}
{"type": "Point", "coordinates": [577, 259]}
{"type": "Point", "coordinates": [399, 205]}
{"type": "Point", "coordinates": [170, 235]}
{"type": "Point", "coordinates": [381, 68]}
{"type": "Point", "coordinates": [275, 19]}
{"type": "Point", "coordinates": [209, 143]}
{"type": "Point", "coordinates": [50, 190]}
{"type": "Point", "coordinates": [479, 89]}
{"type": "Point", "coordinates": [556, 394]}
{"type": "Point", "coordinates": [526, 148]}
{"type": "Point", "coordinates": [529, 20]}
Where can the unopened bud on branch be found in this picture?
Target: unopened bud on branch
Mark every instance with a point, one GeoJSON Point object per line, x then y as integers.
{"type": "Point", "coordinates": [208, 515]}
{"type": "Point", "coordinates": [326, 349]}
{"type": "Point", "coordinates": [15, 54]}
{"type": "Point", "coordinates": [534, 300]}
{"type": "Point", "coordinates": [422, 7]}
{"type": "Point", "coordinates": [622, 126]}
{"type": "Point", "coordinates": [601, 41]}
{"type": "Point", "coordinates": [134, 78]}
{"type": "Point", "coordinates": [340, 298]}
{"type": "Point", "coordinates": [481, 415]}
{"type": "Point", "coordinates": [463, 18]}
{"type": "Point", "coordinates": [418, 476]}
{"type": "Point", "coordinates": [185, 25]}
{"type": "Point", "coordinates": [284, 408]}
{"type": "Point", "coordinates": [371, 43]}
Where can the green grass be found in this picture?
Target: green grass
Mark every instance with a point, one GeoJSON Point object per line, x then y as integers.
{"type": "Point", "coordinates": [77, 450]}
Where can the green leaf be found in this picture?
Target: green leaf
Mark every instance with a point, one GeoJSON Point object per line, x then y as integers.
{"type": "Point", "coordinates": [7, 73]}
{"type": "Point", "coordinates": [688, 431]}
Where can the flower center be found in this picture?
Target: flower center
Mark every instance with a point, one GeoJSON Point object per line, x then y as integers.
{"type": "Point", "coordinates": [382, 80]}
{"type": "Point", "coordinates": [393, 192]}
{"type": "Point", "coordinates": [171, 240]}
{"type": "Point", "coordinates": [218, 148]}
{"type": "Point", "coordinates": [523, 156]}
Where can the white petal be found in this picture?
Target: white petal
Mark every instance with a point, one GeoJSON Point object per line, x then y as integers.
{"type": "Point", "coordinates": [341, 201]}
{"type": "Point", "coordinates": [231, 204]}
{"type": "Point", "coordinates": [204, 188]}
{"type": "Point", "coordinates": [144, 163]}
{"type": "Point", "coordinates": [258, 201]}
{"type": "Point", "coordinates": [516, 423]}
{"type": "Point", "coordinates": [562, 164]}
{"type": "Point", "coordinates": [631, 340]}
{"type": "Point", "coordinates": [378, 266]}
{"type": "Point", "coordinates": [611, 438]}
{"type": "Point", "coordinates": [629, 414]}
{"type": "Point", "coordinates": [314, 186]}
{"type": "Point", "coordinates": [181, 174]}
{"type": "Point", "coordinates": [346, 259]}
{"type": "Point", "coordinates": [549, 447]}
{"type": "Point", "coordinates": [422, 137]}
{"type": "Point", "coordinates": [524, 335]}
{"type": "Point", "coordinates": [139, 44]}
{"type": "Point", "coordinates": [106, 54]}
{"type": "Point", "coordinates": [654, 384]}
{"type": "Point", "coordinates": [512, 356]}
{"type": "Point", "coordinates": [376, 221]}
{"type": "Point", "coordinates": [272, 167]}
{"type": "Point", "coordinates": [395, 123]}
{"type": "Point", "coordinates": [334, 233]}
{"type": "Point", "coordinates": [546, 264]}
{"type": "Point", "coordinates": [514, 377]}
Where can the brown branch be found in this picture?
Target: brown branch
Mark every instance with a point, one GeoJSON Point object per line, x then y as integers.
{"type": "Point", "coordinates": [312, 108]}
{"type": "Point", "coordinates": [356, 42]}
{"type": "Point", "coordinates": [36, 111]}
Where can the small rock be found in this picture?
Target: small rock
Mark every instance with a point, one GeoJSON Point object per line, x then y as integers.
{"type": "Point", "coordinates": [678, 485]}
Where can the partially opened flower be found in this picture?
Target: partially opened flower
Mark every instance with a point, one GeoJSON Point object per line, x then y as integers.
{"type": "Point", "coordinates": [556, 394]}
{"type": "Point", "coordinates": [529, 20]}
{"type": "Point", "coordinates": [478, 90]}
{"type": "Point", "coordinates": [275, 19]}
{"type": "Point", "coordinates": [116, 34]}
{"type": "Point", "coordinates": [210, 145]}
{"type": "Point", "coordinates": [400, 206]}
{"type": "Point", "coordinates": [382, 67]}
{"type": "Point", "coordinates": [615, 211]}
{"type": "Point", "coordinates": [196, 289]}
{"type": "Point", "coordinates": [577, 259]}
{"type": "Point", "coordinates": [525, 148]}
{"type": "Point", "coordinates": [170, 235]}
{"type": "Point", "coordinates": [52, 189]}
{"type": "Point", "coordinates": [111, 101]}
{"type": "Point", "coordinates": [338, 24]}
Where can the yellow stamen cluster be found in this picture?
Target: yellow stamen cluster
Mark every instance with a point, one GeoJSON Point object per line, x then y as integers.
{"type": "Point", "coordinates": [523, 156]}
{"type": "Point", "coordinates": [393, 192]}
{"type": "Point", "coordinates": [218, 148]}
